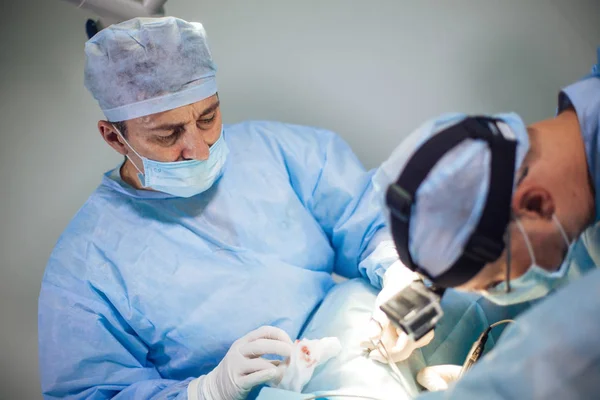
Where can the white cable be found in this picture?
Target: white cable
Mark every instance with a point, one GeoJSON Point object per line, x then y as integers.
{"type": "Point", "coordinates": [395, 371]}
{"type": "Point", "coordinates": [81, 4]}
{"type": "Point", "coordinates": [504, 321]}
{"type": "Point", "coordinates": [353, 396]}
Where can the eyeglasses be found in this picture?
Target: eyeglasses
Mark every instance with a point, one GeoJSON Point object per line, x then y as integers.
{"type": "Point", "coordinates": [507, 246]}
{"type": "Point", "coordinates": [507, 240]}
{"type": "Point", "coordinates": [508, 259]}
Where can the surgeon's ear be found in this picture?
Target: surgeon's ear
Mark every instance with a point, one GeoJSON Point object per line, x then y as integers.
{"type": "Point", "coordinates": [533, 201]}
{"type": "Point", "coordinates": [110, 136]}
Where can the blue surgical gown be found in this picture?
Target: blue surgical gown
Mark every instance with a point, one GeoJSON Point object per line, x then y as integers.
{"type": "Point", "coordinates": [553, 351]}
{"type": "Point", "coordinates": [144, 292]}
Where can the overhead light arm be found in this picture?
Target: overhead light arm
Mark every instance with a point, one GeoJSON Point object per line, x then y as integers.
{"type": "Point", "coordinates": [114, 11]}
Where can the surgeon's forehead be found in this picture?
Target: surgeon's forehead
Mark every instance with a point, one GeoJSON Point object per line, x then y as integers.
{"type": "Point", "coordinates": [144, 120]}
{"type": "Point", "coordinates": [180, 114]}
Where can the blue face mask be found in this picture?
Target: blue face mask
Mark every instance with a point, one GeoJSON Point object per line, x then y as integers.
{"type": "Point", "coordinates": [183, 178]}
{"type": "Point", "coordinates": [537, 282]}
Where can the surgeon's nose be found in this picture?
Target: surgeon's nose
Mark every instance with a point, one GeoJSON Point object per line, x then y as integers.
{"type": "Point", "coordinates": [197, 150]}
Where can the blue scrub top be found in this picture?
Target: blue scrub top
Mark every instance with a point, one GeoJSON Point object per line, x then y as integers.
{"type": "Point", "coordinates": [145, 291]}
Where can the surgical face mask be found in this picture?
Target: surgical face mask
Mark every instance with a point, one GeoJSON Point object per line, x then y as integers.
{"type": "Point", "coordinates": [537, 282]}
{"type": "Point", "coordinates": [183, 178]}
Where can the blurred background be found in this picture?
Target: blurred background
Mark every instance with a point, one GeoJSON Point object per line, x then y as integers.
{"type": "Point", "coordinates": [371, 71]}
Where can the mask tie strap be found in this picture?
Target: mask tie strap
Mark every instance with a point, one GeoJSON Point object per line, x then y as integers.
{"type": "Point", "coordinates": [527, 242]}
{"type": "Point", "coordinates": [561, 229]}
{"type": "Point", "coordinates": [131, 148]}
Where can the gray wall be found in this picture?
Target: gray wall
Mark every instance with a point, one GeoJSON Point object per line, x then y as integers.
{"type": "Point", "coordinates": [371, 71]}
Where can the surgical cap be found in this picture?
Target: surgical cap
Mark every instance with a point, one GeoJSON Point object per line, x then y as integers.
{"type": "Point", "coordinates": [450, 200]}
{"type": "Point", "coordinates": [149, 65]}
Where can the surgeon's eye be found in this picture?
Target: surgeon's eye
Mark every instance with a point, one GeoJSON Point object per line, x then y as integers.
{"type": "Point", "coordinates": [171, 139]}
{"type": "Point", "coordinates": [493, 284]}
{"type": "Point", "coordinates": [207, 120]}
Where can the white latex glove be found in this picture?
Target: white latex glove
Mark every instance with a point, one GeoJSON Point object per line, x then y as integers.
{"type": "Point", "coordinates": [243, 367]}
{"type": "Point", "coordinates": [438, 377]}
{"type": "Point", "coordinates": [400, 347]}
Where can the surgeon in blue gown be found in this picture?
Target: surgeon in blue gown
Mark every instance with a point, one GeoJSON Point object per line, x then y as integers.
{"type": "Point", "coordinates": [552, 350]}
{"type": "Point", "coordinates": [209, 245]}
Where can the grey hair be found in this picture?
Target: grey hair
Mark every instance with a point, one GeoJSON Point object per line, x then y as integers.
{"type": "Point", "coordinates": [121, 126]}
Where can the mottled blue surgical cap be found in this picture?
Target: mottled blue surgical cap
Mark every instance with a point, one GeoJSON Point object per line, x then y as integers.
{"type": "Point", "coordinates": [149, 65]}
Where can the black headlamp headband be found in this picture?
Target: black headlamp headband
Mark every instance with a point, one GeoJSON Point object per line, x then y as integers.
{"type": "Point", "coordinates": [487, 240]}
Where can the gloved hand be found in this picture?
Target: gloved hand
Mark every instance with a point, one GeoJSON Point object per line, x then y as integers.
{"type": "Point", "coordinates": [438, 377]}
{"type": "Point", "coordinates": [243, 367]}
{"type": "Point", "coordinates": [400, 347]}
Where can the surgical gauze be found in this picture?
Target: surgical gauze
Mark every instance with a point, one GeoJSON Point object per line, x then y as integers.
{"type": "Point", "coordinates": [306, 356]}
